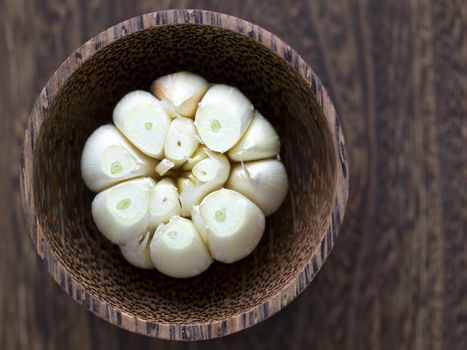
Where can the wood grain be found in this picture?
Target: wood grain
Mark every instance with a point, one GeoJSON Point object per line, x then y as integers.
{"type": "Point", "coordinates": [396, 72]}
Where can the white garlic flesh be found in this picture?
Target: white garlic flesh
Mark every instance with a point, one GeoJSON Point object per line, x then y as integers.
{"type": "Point", "coordinates": [222, 117]}
{"type": "Point", "coordinates": [181, 140]}
{"type": "Point", "coordinates": [199, 223]}
{"type": "Point", "coordinates": [260, 141]}
{"type": "Point", "coordinates": [143, 120]}
{"type": "Point", "coordinates": [121, 212]}
{"type": "Point", "coordinates": [184, 183]}
{"type": "Point", "coordinates": [183, 90]}
{"type": "Point", "coordinates": [108, 158]}
{"type": "Point", "coordinates": [208, 175]}
{"type": "Point", "coordinates": [263, 181]}
{"type": "Point", "coordinates": [163, 203]}
{"type": "Point", "coordinates": [164, 166]}
{"type": "Point", "coordinates": [177, 250]}
{"type": "Point", "coordinates": [137, 253]}
{"type": "Point", "coordinates": [195, 158]}
{"type": "Point", "coordinates": [233, 224]}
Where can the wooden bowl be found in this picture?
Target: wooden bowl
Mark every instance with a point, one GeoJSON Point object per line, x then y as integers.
{"type": "Point", "coordinates": [80, 96]}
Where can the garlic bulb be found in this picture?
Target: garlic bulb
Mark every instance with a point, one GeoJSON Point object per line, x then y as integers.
{"type": "Point", "coordinates": [177, 249]}
{"type": "Point", "coordinates": [183, 90]}
{"type": "Point", "coordinates": [208, 175]}
{"type": "Point", "coordinates": [121, 212]}
{"type": "Point", "coordinates": [143, 120]}
{"type": "Point", "coordinates": [137, 253]}
{"type": "Point", "coordinates": [197, 156]}
{"type": "Point", "coordinates": [163, 203]}
{"type": "Point", "coordinates": [109, 158]}
{"type": "Point", "coordinates": [164, 166]}
{"type": "Point", "coordinates": [259, 141]}
{"type": "Point", "coordinates": [223, 115]}
{"type": "Point", "coordinates": [178, 134]}
{"type": "Point", "coordinates": [263, 181]}
{"type": "Point", "coordinates": [181, 140]}
{"type": "Point", "coordinates": [233, 224]}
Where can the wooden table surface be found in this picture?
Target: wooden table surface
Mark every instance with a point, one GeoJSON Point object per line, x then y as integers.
{"type": "Point", "coordinates": [396, 70]}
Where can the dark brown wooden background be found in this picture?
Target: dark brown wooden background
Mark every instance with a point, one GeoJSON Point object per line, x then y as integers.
{"type": "Point", "coordinates": [396, 70]}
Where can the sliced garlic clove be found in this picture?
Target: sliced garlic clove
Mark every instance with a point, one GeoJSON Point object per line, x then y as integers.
{"type": "Point", "coordinates": [143, 120]}
{"type": "Point", "coordinates": [183, 89]}
{"type": "Point", "coordinates": [197, 156]}
{"type": "Point", "coordinates": [184, 184]}
{"type": "Point", "coordinates": [164, 166]}
{"type": "Point", "coordinates": [234, 225]}
{"type": "Point", "coordinates": [222, 117]}
{"type": "Point", "coordinates": [121, 212]}
{"type": "Point", "coordinates": [137, 253]}
{"type": "Point", "coordinates": [199, 223]}
{"type": "Point", "coordinates": [177, 250]}
{"type": "Point", "coordinates": [208, 175]}
{"type": "Point", "coordinates": [181, 140]}
{"type": "Point", "coordinates": [260, 141]}
{"type": "Point", "coordinates": [164, 203]}
{"type": "Point", "coordinates": [108, 158]}
{"type": "Point", "coordinates": [263, 181]}
{"type": "Point", "coordinates": [170, 108]}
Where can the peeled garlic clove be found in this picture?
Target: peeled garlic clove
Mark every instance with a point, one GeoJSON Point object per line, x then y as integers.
{"type": "Point", "coordinates": [170, 108]}
{"type": "Point", "coordinates": [163, 203]}
{"type": "Point", "coordinates": [121, 212]}
{"type": "Point", "coordinates": [260, 141]}
{"type": "Point", "coordinates": [137, 253]}
{"type": "Point", "coordinates": [109, 158]}
{"type": "Point", "coordinates": [184, 184]}
{"type": "Point", "coordinates": [177, 250]}
{"type": "Point", "coordinates": [222, 117]}
{"type": "Point", "coordinates": [143, 120]}
{"type": "Point", "coordinates": [197, 156]}
{"type": "Point", "coordinates": [181, 140]}
{"type": "Point", "coordinates": [263, 181]}
{"type": "Point", "coordinates": [213, 168]}
{"type": "Point", "coordinates": [234, 225]}
{"type": "Point", "coordinates": [164, 166]}
{"type": "Point", "coordinates": [209, 175]}
{"type": "Point", "coordinates": [199, 223]}
{"type": "Point", "coordinates": [183, 89]}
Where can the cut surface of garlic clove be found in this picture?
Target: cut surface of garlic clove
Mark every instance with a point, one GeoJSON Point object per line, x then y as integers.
{"type": "Point", "coordinates": [143, 120]}
{"type": "Point", "coordinates": [234, 225]}
{"type": "Point", "coordinates": [121, 212]}
{"type": "Point", "coordinates": [181, 140]}
{"type": "Point", "coordinates": [208, 175]}
{"type": "Point", "coordinates": [137, 252]}
{"type": "Point", "coordinates": [108, 158]}
{"type": "Point", "coordinates": [195, 158]}
{"type": "Point", "coordinates": [263, 181]}
{"type": "Point", "coordinates": [222, 117]}
{"type": "Point", "coordinates": [164, 166]}
{"type": "Point", "coordinates": [183, 184]}
{"type": "Point", "coordinates": [177, 250]}
{"type": "Point", "coordinates": [183, 89]}
{"type": "Point", "coordinates": [163, 203]}
{"type": "Point", "coordinates": [260, 141]}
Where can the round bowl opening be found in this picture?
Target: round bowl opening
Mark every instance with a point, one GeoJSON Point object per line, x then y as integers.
{"type": "Point", "coordinates": [86, 100]}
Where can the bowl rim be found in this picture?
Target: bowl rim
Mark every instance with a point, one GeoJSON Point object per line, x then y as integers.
{"type": "Point", "coordinates": [106, 311]}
